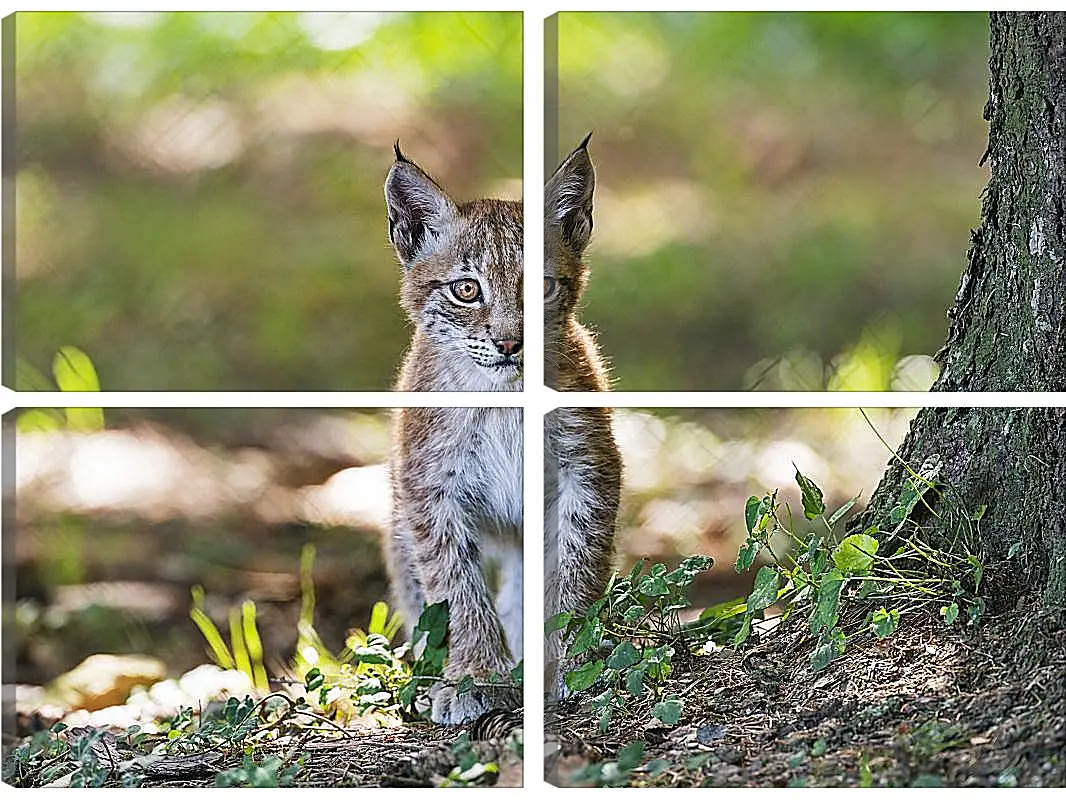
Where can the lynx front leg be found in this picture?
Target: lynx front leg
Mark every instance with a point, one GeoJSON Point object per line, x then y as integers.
{"type": "Point", "coordinates": [402, 565]}
{"type": "Point", "coordinates": [509, 603]}
{"type": "Point", "coordinates": [450, 567]}
{"type": "Point", "coordinates": [582, 485]}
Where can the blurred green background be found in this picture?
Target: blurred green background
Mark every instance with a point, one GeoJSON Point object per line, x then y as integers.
{"type": "Point", "coordinates": [199, 195]}
{"type": "Point", "coordinates": [783, 199]}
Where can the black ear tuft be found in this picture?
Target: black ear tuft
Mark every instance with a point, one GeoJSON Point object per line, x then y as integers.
{"type": "Point", "coordinates": [568, 198]}
{"type": "Point", "coordinates": [418, 208]}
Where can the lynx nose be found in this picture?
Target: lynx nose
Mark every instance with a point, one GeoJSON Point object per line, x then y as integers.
{"type": "Point", "coordinates": [508, 347]}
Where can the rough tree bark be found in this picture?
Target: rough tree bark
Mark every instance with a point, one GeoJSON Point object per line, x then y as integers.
{"type": "Point", "coordinates": [1008, 326]}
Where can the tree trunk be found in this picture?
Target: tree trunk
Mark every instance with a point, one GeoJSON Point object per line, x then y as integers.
{"type": "Point", "coordinates": [1008, 323]}
{"type": "Point", "coordinates": [1008, 329]}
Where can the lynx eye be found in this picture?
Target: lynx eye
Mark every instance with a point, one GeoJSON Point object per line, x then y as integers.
{"type": "Point", "coordinates": [466, 290]}
{"type": "Point", "coordinates": [550, 285]}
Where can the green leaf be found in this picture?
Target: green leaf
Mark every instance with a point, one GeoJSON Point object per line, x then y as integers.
{"type": "Point", "coordinates": [632, 614]}
{"type": "Point", "coordinates": [74, 371]}
{"type": "Point", "coordinates": [767, 510]}
{"type": "Point", "coordinates": [915, 487]}
{"type": "Point", "coordinates": [517, 672]}
{"type": "Point", "coordinates": [725, 610]}
{"type": "Point", "coordinates": [978, 572]}
{"type": "Point", "coordinates": [657, 766]}
{"type": "Point", "coordinates": [695, 762]}
{"type": "Point", "coordinates": [379, 616]}
{"type": "Point", "coordinates": [653, 586]}
{"type": "Point", "coordinates": [868, 587]}
{"type": "Point", "coordinates": [635, 682]}
{"type": "Point", "coordinates": [840, 512]}
{"type": "Point", "coordinates": [813, 505]}
{"type": "Point", "coordinates": [827, 602]}
{"type": "Point", "coordinates": [819, 563]}
{"type": "Point", "coordinates": [624, 655]}
{"type": "Point", "coordinates": [855, 554]}
{"type": "Point", "coordinates": [557, 622]}
{"type": "Point", "coordinates": [314, 679]}
{"type": "Point", "coordinates": [744, 632]}
{"type": "Point", "coordinates": [589, 635]}
{"type": "Point", "coordinates": [583, 677]}
{"type": "Point", "coordinates": [630, 756]}
{"type": "Point", "coordinates": [657, 661]}
{"type": "Point", "coordinates": [688, 569]}
{"type": "Point", "coordinates": [746, 557]}
{"type": "Point", "coordinates": [830, 645]}
{"type": "Point", "coordinates": [84, 418]}
{"type": "Point", "coordinates": [751, 512]}
{"type": "Point", "coordinates": [637, 569]}
{"type": "Point", "coordinates": [603, 699]}
{"type": "Point", "coordinates": [40, 420]}
{"type": "Point", "coordinates": [813, 546]}
{"type": "Point", "coordinates": [668, 711]}
{"type": "Point", "coordinates": [433, 621]}
{"type": "Point", "coordinates": [764, 593]}
{"type": "Point", "coordinates": [950, 613]}
{"type": "Point", "coordinates": [605, 718]}
{"type": "Point", "coordinates": [883, 622]}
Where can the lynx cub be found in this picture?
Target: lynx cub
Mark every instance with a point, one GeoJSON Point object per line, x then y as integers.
{"type": "Point", "coordinates": [583, 468]}
{"type": "Point", "coordinates": [457, 472]}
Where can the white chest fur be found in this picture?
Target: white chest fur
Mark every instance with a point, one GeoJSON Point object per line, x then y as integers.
{"type": "Point", "coordinates": [480, 449]}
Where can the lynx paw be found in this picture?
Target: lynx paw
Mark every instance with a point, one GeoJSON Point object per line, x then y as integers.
{"type": "Point", "coordinates": [451, 708]}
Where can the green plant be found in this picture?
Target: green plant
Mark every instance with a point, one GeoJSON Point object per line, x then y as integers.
{"type": "Point", "coordinates": [73, 371]}
{"type": "Point", "coordinates": [266, 774]}
{"type": "Point", "coordinates": [368, 678]}
{"type": "Point", "coordinates": [48, 758]}
{"type": "Point", "coordinates": [246, 727]}
{"type": "Point", "coordinates": [627, 639]}
{"type": "Point", "coordinates": [892, 568]}
{"type": "Point", "coordinates": [470, 769]}
{"type": "Point", "coordinates": [246, 652]}
{"type": "Point", "coordinates": [429, 640]}
{"type": "Point", "coordinates": [613, 773]}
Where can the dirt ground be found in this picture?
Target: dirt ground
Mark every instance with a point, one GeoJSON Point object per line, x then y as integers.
{"type": "Point", "coordinates": [929, 706]}
{"type": "Point", "coordinates": [411, 755]}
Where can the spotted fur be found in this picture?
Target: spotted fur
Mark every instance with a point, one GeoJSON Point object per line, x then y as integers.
{"type": "Point", "coordinates": [582, 465]}
{"type": "Point", "coordinates": [456, 473]}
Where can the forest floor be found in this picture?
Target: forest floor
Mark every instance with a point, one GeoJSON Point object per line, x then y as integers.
{"type": "Point", "coordinates": [487, 753]}
{"type": "Point", "coordinates": [929, 706]}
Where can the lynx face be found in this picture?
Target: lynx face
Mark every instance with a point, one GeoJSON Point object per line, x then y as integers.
{"type": "Point", "coordinates": [461, 287]}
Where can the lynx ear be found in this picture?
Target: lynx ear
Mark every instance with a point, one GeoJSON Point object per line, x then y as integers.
{"type": "Point", "coordinates": [418, 208]}
{"type": "Point", "coordinates": [568, 198]}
